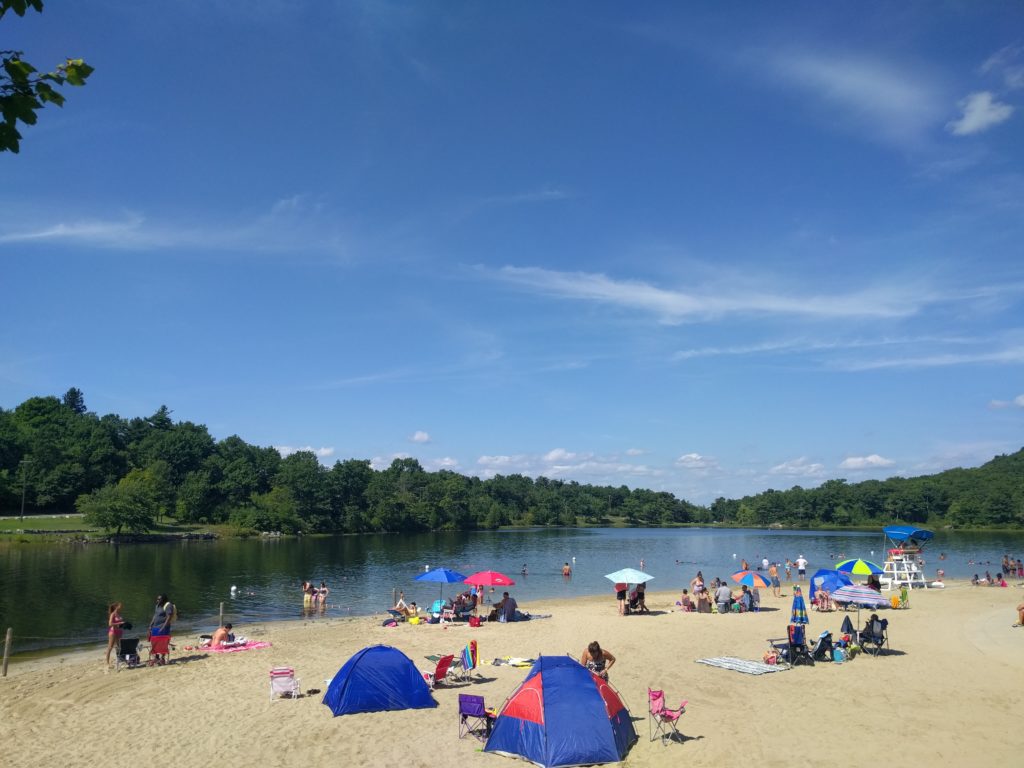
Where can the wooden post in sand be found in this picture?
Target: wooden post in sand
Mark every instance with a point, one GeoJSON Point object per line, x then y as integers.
{"type": "Point", "coordinates": [221, 614]}
{"type": "Point", "coordinates": [7, 649]}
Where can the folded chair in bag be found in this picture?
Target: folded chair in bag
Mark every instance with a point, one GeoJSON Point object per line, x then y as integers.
{"type": "Point", "coordinates": [440, 671]}
{"type": "Point", "coordinates": [283, 683]}
{"type": "Point", "coordinates": [396, 615]}
{"type": "Point", "coordinates": [473, 717]}
{"type": "Point", "coordinates": [822, 650]}
{"type": "Point", "coordinates": [662, 720]}
{"type": "Point", "coordinates": [904, 597]}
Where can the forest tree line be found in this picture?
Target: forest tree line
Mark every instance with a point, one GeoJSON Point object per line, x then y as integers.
{"type": "Point", "coordinates": [127, 474]}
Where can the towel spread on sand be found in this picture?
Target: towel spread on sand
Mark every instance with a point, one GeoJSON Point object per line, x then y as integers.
{"type": "Point", "coordinates": [740, 665]}
{"type": "Point", "coordinates": [251, 645]}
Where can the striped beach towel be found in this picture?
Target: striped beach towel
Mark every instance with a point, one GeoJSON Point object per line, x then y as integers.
{"type": "Point", "coordinates": [741, 665]}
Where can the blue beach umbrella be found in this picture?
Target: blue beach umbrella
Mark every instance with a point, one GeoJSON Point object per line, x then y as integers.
{"type": "Point", "coordinates": [799, 614]}
{"type": "Point", "coordinates": [442, 575]}
{"type": "Point", "coordinates": [859, 567]}
{"type": "Point", "coordinates": [629, 576]}
{"type": "Point", "coordinates": [828, 580]}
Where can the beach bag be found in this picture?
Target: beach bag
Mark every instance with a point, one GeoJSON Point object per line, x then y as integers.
{"type": "Point", "coordinates": [838, 655]}
{"type": "Point", "coordinates": [390, 623]}
{"type": "Point", "coordinates": [474, 621]}
{"type": "Point", "coordinates": [770, 657]}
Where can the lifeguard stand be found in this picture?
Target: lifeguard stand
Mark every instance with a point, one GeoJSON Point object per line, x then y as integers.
{"type": "Point", "coordinates": [904, 545]}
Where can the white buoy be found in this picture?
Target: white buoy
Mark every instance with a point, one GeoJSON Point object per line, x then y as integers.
{"type": "Point", "coordinates": [234, 588]}
{"type": "Point", "coordinates": [426, 567]}
{"type": "Point", "coordinates": [574, 559]}
{"type": "Point", "coordinates": [733, 555]}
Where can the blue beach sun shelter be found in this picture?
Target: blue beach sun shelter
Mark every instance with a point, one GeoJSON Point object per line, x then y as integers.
{"type": "Point", "coordinates": [378, 679]}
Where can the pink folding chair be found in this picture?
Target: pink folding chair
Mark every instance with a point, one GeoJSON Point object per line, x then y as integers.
{"type": "Point", "coordinates": [662, 720]}
{"type": "Point", "coordinates": [283, 683]}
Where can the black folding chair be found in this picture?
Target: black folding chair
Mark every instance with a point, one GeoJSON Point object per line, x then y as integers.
{"type": "Point", "coordinates": [875, 636]}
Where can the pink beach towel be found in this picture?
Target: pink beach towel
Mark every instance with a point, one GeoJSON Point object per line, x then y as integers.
{"type": "Point", "coordinates": [249, 646]}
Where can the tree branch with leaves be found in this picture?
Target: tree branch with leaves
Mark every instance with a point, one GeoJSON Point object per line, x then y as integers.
{"type": "Point", "coordinates": [23, 89]}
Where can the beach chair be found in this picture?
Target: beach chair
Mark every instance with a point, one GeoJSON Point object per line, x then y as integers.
{"type": "Point", "coordinates": [159, 650]}
{"type": "Point", "coordinates": [792, 649]}
{"type": "Point", "coordinates": [470, 662]}
{"type": "Point", "coordinates": [127, 653]}
{"type": "Point", "coordinates": [284, 684]}
{"type": "Point", "coordinates": [440, 671]}
{"type": "Point", "coordinates": [474, 717]}
{"type": "Point", "coordinates": [875, 636]}
{"type": "Point", "coordinates": [448, 616]}
{"type": "Point", "coordinates": [396, 615]}
{"type": "Point", "coordinates": [661, 720]}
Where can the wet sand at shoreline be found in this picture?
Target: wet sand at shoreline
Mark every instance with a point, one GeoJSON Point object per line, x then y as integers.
{"type": "Point", "coordinates": [948, 694]}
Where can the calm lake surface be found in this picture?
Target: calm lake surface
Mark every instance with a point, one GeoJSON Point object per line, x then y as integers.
{"type": "Point", "coordinates": [55, 595]}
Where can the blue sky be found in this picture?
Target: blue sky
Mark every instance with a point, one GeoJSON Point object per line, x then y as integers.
{"type": "Point", "coordinates": [707, 249]}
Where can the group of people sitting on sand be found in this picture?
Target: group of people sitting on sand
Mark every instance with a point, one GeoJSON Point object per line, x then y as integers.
{"type": "Point", "coordinates": [725, 600]}
{"type": "Point", "coordinates": [463, 604]}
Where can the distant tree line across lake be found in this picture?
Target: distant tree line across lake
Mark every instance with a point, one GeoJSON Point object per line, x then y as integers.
{"type": "Point", "coordinates": [127, 474]}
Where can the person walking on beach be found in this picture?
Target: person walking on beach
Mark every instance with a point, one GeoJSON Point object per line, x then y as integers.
{"type": "Point", "coordinates": [114, 627]}
{"type": "Point", "coordinates": [773, 575]}
{"type": "Point", "coordinates": [163, 617]}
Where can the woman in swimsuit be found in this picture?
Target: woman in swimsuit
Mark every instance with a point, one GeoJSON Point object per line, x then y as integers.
{"type": "Point", "coordinates": [114, 630]}
{"type": "Point", "coordinates": [597, 660]}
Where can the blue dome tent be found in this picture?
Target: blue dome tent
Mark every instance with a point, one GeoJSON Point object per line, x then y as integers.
{"type": "Point", "coordinates": [563, 714]}
{"type": "Point", "coordinates": [378, 679]}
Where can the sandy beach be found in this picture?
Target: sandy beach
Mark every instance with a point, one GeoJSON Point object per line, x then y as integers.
{"type": "Point", "coordinates": [948, 694]}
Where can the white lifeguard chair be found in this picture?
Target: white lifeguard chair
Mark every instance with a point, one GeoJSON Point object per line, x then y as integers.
{"type": "Point", "coordinates": [904, 546]}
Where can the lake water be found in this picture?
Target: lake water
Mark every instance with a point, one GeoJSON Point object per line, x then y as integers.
{"type": "Point", "coordinates": [56, 594]}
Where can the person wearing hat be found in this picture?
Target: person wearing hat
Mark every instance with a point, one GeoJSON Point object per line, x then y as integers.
{"type": "Point", "coordinates": [801, 566]}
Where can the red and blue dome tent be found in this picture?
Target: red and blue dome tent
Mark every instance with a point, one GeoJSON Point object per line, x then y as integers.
{"type": "Point", "coordinates": [377, 679]}
{"type": "Point", "coordinates": [563, 715]}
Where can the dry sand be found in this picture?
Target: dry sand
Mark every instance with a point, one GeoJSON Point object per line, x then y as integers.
{"type": "Point", "coordinates": [949, 693]}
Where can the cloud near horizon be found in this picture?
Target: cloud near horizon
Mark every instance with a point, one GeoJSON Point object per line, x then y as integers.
{"type": "Point", "coordinates": [874, 461]}
{"type": "Point", "coordinates": [320, 453]}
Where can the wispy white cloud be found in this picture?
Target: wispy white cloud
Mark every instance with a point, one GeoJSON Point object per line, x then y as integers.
{"type": "Point", "coordinates": [1004, 62]}
{"type": "Point", "coordinates": [289, 223]}
{"type": "Point", "coordinates": [882, 99]}
{"type": "Point", "coordinates": [562, 464]}
{"type": "Point", "coordinates": [981, 111]}
{"type": "Point", "coordinates": [874, 461]}
{"type": "Point", "coordinates": [419, 436]}
{"type": "Point", "coordinates": [1017, 402]}
{"type": "Point", "coordinates": [894, 300]}
{"type": "Point", "coordinates": [801, 467]}
{"type": "Point", "coordinates": [444, 462]}
{"type": "Point", "coordinates": [1011, 355]}
{"type": "Point", "coordinates": [383, 462]}
{"type": "Point", "coordinates": [635, 451]}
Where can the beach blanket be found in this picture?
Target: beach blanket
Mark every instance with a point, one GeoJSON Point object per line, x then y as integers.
{"type": "Point", "coordinates": [512, 661]}
{"type": "Point", "coordinates": [248, 646]}
{"type": "Point", "coordinates": [741, 665]}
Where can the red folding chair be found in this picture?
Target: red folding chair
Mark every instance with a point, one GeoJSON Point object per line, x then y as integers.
{"type": "Point", "coordinates": [440, 671]}
{"type": "Point", "coordinates": [159, 649]}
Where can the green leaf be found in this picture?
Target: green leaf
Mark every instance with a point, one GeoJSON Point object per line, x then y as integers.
{"type": "Point", "coordinates": [47, 94]}
{"type": "Point", "coordinates": [76, 71]}
{"type": "Point", "coordinates": [18, 70]}
{"type": "Point", "coordinates": [9, 138]}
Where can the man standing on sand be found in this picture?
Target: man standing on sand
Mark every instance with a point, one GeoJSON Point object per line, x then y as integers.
{"type": "Point", "coordinates": [773, 574]}
{"type": "Point", "coordinates": [801, 566]}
